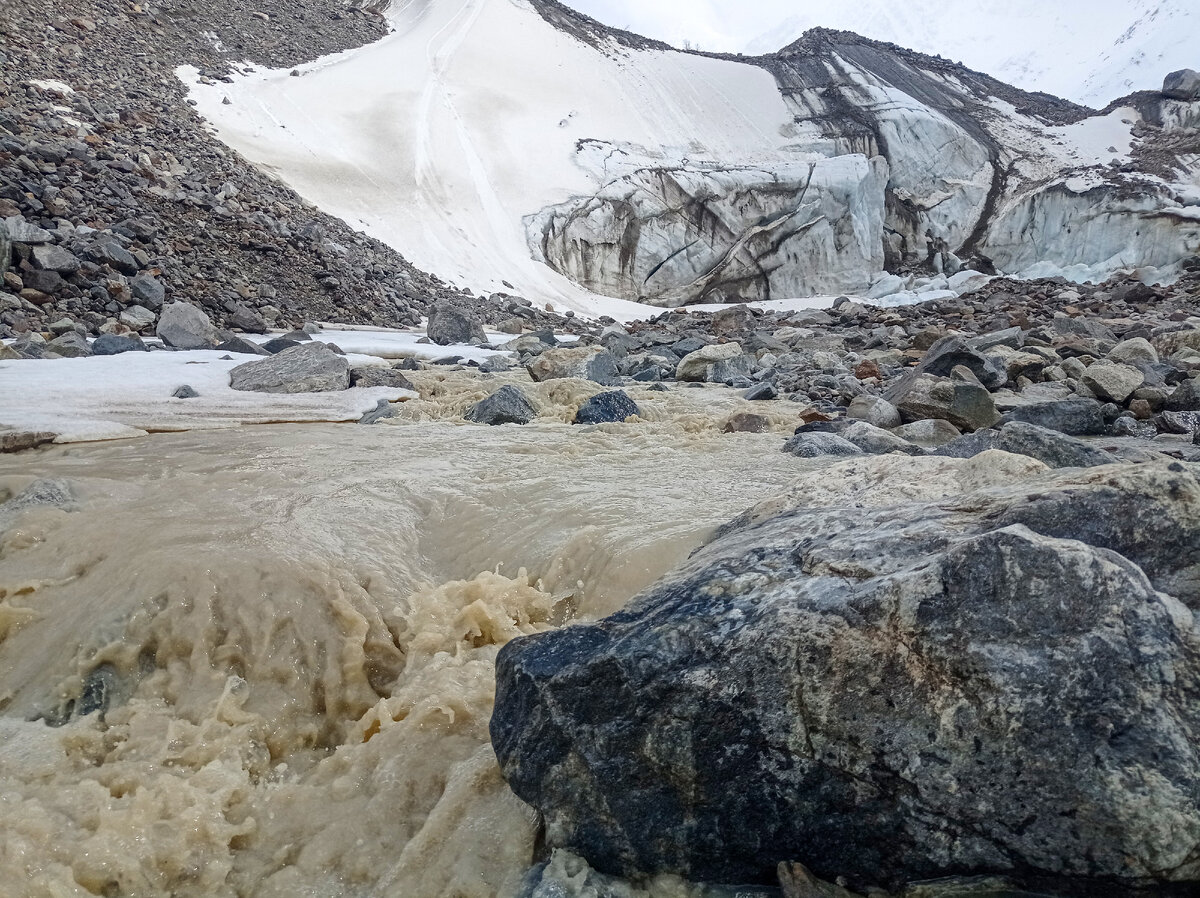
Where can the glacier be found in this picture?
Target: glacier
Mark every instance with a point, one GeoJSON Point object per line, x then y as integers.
{"type": "Point", "coordinates": [518, 145]}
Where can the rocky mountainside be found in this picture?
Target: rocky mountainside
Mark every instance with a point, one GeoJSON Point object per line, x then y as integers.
{"type": "Point", "coordinates": [1086, 52]}
{"type": "Point", "coordinates": [838, 164]}
{"type": "Point", "coordinates": [119, 197]}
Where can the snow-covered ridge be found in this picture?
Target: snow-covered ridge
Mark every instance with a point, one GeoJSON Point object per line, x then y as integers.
{"type": "Point", "coordinates": [514, 144]}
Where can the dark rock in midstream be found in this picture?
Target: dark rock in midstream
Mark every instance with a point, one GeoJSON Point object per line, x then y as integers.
{"type": "Point", "coordinates": [508, 405]}
{"type": "Point", "coordinates": [1001, 683]}
{"type": "Point", "coordinates": [382, 411]}
{"type": "Point", "coordinates": [607, 408]}
{"type": "Point", "coordinates": [1048, 446]}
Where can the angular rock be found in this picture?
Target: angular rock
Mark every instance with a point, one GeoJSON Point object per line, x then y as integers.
{"type": "Point", "coordinates": [448, 325]}
{"type": "Point", "coordinates": [184, 326]}
{"type": "Point", "coordinates": [1002, 683]}
{"type": "Point", "coordinates": [874, 410]}
{"type": "Point", "coordinates": [592, 363]}
{"type": "Point", "coordinates": [1053, 449]}
{"type": "Point", "coordinates": [950, 352]}
{"type": "Point", "coordinates": [1127, 352]}
{"type": "Point", "coordinates": [241, 345]}
{"type": "Point", "coordinates": [607, 408]}
{"type": "Point", "coordinates": [1112, 382]}
{"type": "Point", "coordinates": [1185, 397]}
{"type": "Point", "coordinates": [1182, 85]}
{"type": "Point", "coordinates": [112, 344]}
{"type": "Point", "coordinates": [136, 317]}
{"type": "Point", "coordinates": [1179, 423]}
{"type": "Point", "coordinates": [246, 319]}
{"type": "Point", "coordinates": [820, 445]}
{"type": "Point", "coordinates": [54, 258]}
{"type": "Point", "coordinates": [876, 441]}
{"type": "Point", "coordinates": [148, 291]}
{"type": "Point", "coordinates": [706, 364]}
{"type": "Point", "coordinates": [380, 377]}
{"type": "Point", "coordinates": [309, 368]}
{"type": "Point", "coordinates": [760, 392]}
{"type": "Point", "coordinates": [70, 345]}
{"type": "Point", "coordinates": [22, 231]}
{"type": "Point", "coordinates": [279, 344]}
{"type": "Point", "coordinates": [929, 433]}
{"type": "Point", "coordinates": [508, 405]}
{"type": "Point", "coordinates": [1074, 417]}
{"type": "Point", "coordinates": [185, 392]}
{"type": "Point", "coordinates": [107, 251]}
{"type": "Point", "coordinates": [382, 411]}
{"type": "Point", "coordinates": [966, 405]}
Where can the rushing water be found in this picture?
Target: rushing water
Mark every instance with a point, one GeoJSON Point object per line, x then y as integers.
{"type": "Point", "coordinates": [290, 634]}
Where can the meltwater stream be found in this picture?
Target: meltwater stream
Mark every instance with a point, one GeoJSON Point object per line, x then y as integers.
{"type": "Point", "coordinates": [259, 662]}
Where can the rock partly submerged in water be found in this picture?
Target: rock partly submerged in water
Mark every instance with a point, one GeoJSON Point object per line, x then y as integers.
{"type": "Point", "coordinates": [1003, 682]}
{"type": "Point", "coordinates": [508, 405]}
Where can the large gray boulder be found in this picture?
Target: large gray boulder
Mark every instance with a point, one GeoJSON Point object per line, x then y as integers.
{"type": "Point", "coordinates": [1074, 417]}
{"type": "Point", "coordinates": [307, 368]}
{"type": "Point", "coordinates": [966, 405]}
{"type": "Point", "coordinates": [820, 445]}
{"type": "Point", "coordinates": [1053, 449]}
{"type": "Point", "coordinates": [1182, 85]}
{"type": "Point", "coordinates": [612, 407]}
{"type": "Point", "coordinates": [1112, 381]}
{"type": "Point", "coordinates": [950, 352]}
{"type": "Point", "coordinates": [713, 364]}
{"type": "Point", "coordinates": [1002, 682]}
{"type": "Point", "coordinates": [184, 326]}
{"type": "Point", "coordinates": [449, 325]}
{"type": "Point", "coordinates": [594, 363]}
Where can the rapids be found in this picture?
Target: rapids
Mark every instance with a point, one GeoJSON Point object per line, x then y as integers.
{"type": "Point", "coordinates": [260, 662]}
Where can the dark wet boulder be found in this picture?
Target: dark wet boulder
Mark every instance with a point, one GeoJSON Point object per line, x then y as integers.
{"type": "Point", "coordinates": [1005, 682]}
{"type": "Point", "coordinates": [612, 407]}
{"type": "Point", "coordinates": [1053, 449]}
{"type": "Point", "coordinates": [1074, 417]}
{"type": "Point", "coordinates": [820, 445]}
{"type": "Point", "coordinates": [508, 405]}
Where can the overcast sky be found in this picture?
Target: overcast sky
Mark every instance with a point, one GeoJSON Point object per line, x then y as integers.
{"type": "Point", "coordinates": [713, 24]}
{"type": "Point", "coordinates": [730, 25]}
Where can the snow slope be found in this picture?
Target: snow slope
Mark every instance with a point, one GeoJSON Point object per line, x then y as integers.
{"type": "Point", "coordinates": [440, 138]}
{"type": "Point", "coordinates": [1085, 51]}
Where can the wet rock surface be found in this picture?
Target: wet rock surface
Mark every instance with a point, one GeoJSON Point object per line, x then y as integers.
{"type": "Point", "coordinates": [1000, 683]}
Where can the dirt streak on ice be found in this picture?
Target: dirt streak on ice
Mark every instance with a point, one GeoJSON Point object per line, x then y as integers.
{"type": "Point", "coordinates": [296, 644]}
